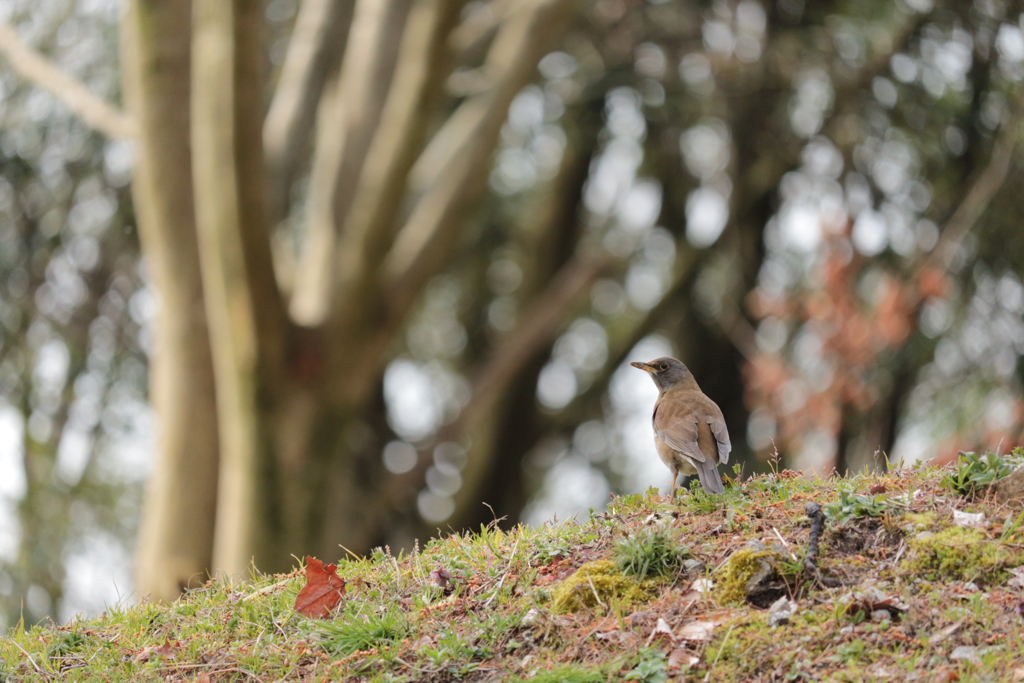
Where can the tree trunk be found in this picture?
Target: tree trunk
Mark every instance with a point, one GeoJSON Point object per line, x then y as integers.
{"type": "Point", "coordinates": [176, 535]}
{"type": "Point", "coordinates": [243, 304]}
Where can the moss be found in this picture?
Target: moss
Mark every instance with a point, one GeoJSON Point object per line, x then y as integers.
{"type": "Point", "coordinates": [733, 643]}
{"type": "Point", "coordinates": [600, 579]}
{"type": "Point", "coordinates": [921, 520]}
{"type": "Point", "coordinates": [742, 566]}
{"type": "Point", "coordinates": [959, 553]}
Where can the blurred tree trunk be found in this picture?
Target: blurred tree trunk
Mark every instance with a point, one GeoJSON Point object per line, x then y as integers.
{"type": "Point", "coordinates": [268, 446]}
{"type": "Point", "coordinates": [177, 530]}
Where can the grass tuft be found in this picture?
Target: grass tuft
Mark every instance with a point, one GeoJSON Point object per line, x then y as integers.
{"type": "Point", "coordinates": [355, 631]}
{"type": "Point", "coordinates": [649, 552]}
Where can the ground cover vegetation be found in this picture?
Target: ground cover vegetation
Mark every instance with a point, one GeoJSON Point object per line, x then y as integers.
{"type": "Point", "coordinates": [912, 577]}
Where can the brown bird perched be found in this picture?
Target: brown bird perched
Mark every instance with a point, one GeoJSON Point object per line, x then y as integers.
{"type": "Point", "coordinates": [689, 429]}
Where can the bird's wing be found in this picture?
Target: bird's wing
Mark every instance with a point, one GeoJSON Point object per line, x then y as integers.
{"type": "Point", "coordinates": [676, 424]}
{"type": "Point", "coordinates": [717, 423]}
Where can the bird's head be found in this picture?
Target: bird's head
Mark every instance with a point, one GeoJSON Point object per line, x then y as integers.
{"type": "Point", "coordinates": [666, 372]}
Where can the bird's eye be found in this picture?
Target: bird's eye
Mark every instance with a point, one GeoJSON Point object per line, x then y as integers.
{"type": "Point", "coordinates": [664, 366]}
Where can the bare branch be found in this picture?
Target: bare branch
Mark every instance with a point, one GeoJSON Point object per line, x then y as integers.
{"type": "Point", "coordinates": [538, 323]}
{"type": "Point", "coordinates": [39, 70]}
{"type": "Point", "coordinates": [980, 194]}
{"type": "Point", "coordinates": [480, 24]}
{"type": "Point", "coordinates": [431, 233]}
{"type": "Point", "coordinates": [422, 63]}
{"type": "Point", "coordinates": [477, 28]}
{"type": "Point", "coordinates": [347, 120]}
{"type": "Point", "coordinates": [314, 51]}
{"type": "Point", "coordinates": [847, 90]}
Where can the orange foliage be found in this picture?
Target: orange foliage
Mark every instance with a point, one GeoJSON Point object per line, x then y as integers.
{"type": "Point", "coordinates": [852, 333]}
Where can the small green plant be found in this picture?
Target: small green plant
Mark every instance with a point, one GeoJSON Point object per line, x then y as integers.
{"type": "Point", "coordinates": [568, 673]}
{"type": "Point", "coordinates": [649, 552]}
{"type": "Point", "coordinates": [776, 485]}
{"type": "Point", "coordinates": [355, 631]}
{"type": "Point", "coordinates": [974, 472]}
{"type": "Point", "coordinates": [851, 652]}
{"type": "Point", "coordinates": [700, 500]}
{"type": "Point", "coordinates": [851, 506]}
{"type": "Point", "coordinates": [1011, 527]}
{"type": "Point", "coordinates": [652, 667]}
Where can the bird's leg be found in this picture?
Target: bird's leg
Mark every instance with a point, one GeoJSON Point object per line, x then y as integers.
{"type": "Point", "coordinates": [672, 486]}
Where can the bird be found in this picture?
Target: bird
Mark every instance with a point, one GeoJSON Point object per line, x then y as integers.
{"type": "Point", "coordinates": [689, 428]}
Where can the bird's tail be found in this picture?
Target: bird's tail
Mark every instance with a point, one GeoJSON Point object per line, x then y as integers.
{"type": "Point", "coordinates": [709, 478]}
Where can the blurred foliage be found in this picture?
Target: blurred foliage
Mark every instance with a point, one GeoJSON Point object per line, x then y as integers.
{"type": "Point", "coordinates": [73, 340]}
{"type": "Point", "coordinates": [774, 178]}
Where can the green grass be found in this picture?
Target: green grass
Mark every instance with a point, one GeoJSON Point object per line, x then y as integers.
{"type": "Point", "coordinates": [649, 552]}
{"type": "Point", "coordinates": [363, 628]}
{"type": "Point", "coordinates": [499, 623]}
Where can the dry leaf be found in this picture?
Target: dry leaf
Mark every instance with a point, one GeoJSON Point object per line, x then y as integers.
{"type": "Point", "coordinates": [966, 652]}
{"type": "Point", "coordinates": [697, 631]}
{"type": "Point", "coordinates": [661, 627]}
{"type": "Point", "coordinates": [946, 632]}
{"type": "Point", "coordinates": [689, 597]}
{"type": "Point", "coordinates": [781, 610]}
{"type": "Point", "coordinates": [322, 592]}
{"type": "Point", "coordinates": [680, 657]}
{"type": "Point", "coordinates": [147, 653]}
{"type": "Point", "coordinates": [872, 599]}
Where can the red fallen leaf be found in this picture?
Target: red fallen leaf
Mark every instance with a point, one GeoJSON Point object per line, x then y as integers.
{"type": "Point", "coordinates": [322, 592]}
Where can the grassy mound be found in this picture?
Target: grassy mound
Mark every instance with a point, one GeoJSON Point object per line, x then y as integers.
{"type": "Point", "coordinates": [906, 587]}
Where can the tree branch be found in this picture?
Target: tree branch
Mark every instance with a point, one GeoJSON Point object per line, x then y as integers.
{"type": "Point", "coordinates": [422, 62]}
{"type": "Point", "coordinates": [431, 233]}
{"type": "Point", "coordinates": [848, 89]}
{"type": "Point", "coordinates": [479, 25]}
{"type": "Point", "coordinates": [37, 69]}
{"type": "Point", "coordinates": [314, 51]}
{"type": "Point", "coordinates": [538, 324]}
{"type": "Point", "coordinates": [474, 31]}
{"type": "Point", "coordinates": [347, 121]}
{"type": "Point", "coordinates": [980, 194]}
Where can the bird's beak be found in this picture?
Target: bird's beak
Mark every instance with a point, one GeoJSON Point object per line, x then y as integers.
{"type": "Point", "coordinates": [642, 366]}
